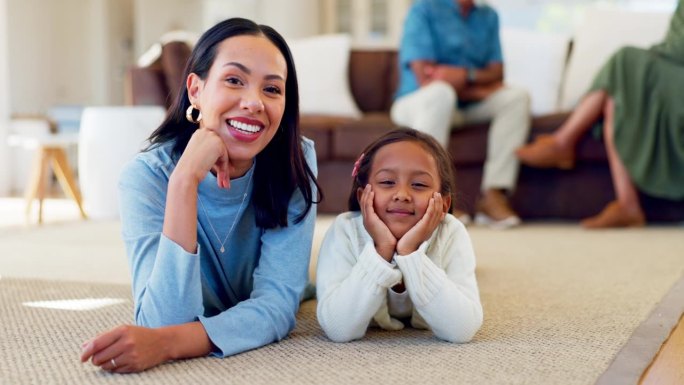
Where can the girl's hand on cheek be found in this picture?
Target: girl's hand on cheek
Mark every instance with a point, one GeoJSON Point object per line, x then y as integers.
{"type": "Point", "coordinates": [424, 228]}
{"type": "Point", "coordinates": [205, 151]}
{"type": "Point", "coordinates": [383, 239]}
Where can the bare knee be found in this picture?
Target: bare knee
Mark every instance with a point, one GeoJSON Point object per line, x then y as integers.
{"type": "Point", "coordinates": [608, 110]}
{"type": "Point", "coordinates": [608, 106]}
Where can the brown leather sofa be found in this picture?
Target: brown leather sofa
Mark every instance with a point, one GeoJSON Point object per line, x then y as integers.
{"type": "Point", "coordinates": [540, 194]}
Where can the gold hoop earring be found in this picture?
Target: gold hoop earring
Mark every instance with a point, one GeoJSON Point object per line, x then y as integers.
{"type": "Point", "coordinates": [189, 112]}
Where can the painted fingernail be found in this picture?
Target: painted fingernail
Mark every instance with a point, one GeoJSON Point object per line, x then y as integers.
{"type": "Point", "coordinates": [87, 346]}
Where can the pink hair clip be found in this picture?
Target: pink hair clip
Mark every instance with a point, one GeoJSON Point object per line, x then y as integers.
{"type": "Point", "coordinates": [357, 164]}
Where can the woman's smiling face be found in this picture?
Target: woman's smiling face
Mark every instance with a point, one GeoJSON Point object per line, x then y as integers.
{"type": "Point", "coordinates": [242, 98]}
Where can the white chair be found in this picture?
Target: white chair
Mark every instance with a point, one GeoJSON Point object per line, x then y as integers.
{"type": "Point", "coordinates": [109, 137]}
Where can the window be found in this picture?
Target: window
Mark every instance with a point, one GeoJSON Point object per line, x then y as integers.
{"type": "Point", "coordinates": [369, 22]}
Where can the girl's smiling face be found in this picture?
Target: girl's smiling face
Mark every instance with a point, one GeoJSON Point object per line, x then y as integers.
{"type": "Point", "coordinates": [242, 98]}
{"type": "Point", "coordinates": [403, 177]}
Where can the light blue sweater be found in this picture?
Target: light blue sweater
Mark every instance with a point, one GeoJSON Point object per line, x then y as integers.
{"type": "Point", "coordinates": [246, 297]}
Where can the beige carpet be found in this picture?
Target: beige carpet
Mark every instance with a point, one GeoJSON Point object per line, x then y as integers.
{"type": "Point", "coordinates": [559, 305]}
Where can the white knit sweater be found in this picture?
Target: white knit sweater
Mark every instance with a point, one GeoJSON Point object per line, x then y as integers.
{"type": "Point", "coordinates": [353, 283]}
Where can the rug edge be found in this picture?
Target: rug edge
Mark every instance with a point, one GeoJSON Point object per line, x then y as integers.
{"type": "Point", "coordinates": [642, 346]}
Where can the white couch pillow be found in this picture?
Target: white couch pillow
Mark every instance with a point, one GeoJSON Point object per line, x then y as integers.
{"type": "Point", "coordinates": [600, 35]}
{"type": "Point", "coordinates": [535, 61]}
{"type": "Point", "coordinates": [322, 64]}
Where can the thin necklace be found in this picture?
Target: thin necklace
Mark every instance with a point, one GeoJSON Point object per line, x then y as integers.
{"type": "Point", "coordinates": [237, 215]}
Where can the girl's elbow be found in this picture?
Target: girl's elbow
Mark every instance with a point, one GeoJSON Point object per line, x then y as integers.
{"type": "Point", "coordinates": [337, 333]}
{"type": "Point", "coordinates": [458, 336]}
{"type": "Point", "coordinates": [462, 332]}
{"type": "Point", "coordinates": [340, 336]}
{"type": "Point", "coordinates": [341, 340]}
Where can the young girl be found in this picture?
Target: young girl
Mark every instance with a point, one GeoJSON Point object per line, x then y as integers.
{"type": "Point", "coordinates": [217, 215]}
{"type": "Point", "coordinates": [399, 252]}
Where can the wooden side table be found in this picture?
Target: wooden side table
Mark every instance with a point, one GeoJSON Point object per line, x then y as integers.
{"type": "Point", "coordinates": [50, 153]}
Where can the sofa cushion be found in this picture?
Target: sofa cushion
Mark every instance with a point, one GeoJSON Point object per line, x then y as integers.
{"type": "Point", "coordinates": [535, 61]}
{"type": "Point", "coordinates": [322, 64]}
{"type": "Point", "coordinates": [319, 128]}
{"type": "Point", "coordinates": [468, 144]}
{"type": "Point", "coordinates": [349, 139]}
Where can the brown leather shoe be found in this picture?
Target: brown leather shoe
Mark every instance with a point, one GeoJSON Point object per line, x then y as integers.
{"type": "Point", "coordinates": [494, 211]}
{"type": "Point", "coordinates": [544, 152]}
{"type": "Point", "coordinates": [615, 215]}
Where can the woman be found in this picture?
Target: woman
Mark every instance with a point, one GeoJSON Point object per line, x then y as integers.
{"type": "Point", "coordinates": [218, 214]}
{"type": "Point", "coordinates": [639, 93]}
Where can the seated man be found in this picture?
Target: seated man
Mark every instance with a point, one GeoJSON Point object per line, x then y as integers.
{"type": "Point", "coordinates": [451, 72]}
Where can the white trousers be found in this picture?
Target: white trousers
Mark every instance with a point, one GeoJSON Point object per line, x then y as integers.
{"type": "Point", "coordinates": [432, 109]}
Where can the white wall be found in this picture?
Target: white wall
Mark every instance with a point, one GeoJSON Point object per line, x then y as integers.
{"type": "Point", "coordinates": [293, 19]}
{"type": "Point", "coordinates": [565, 16]}
{"type": "Point", "coordinates": [111, 49]}
{"type": "Point", "coordinates": [67, 52]}
{"type": "Point", "coordinates": [360, 21]}
{"type": "Point", "coordinates": [153, 18]}
{"type": "Point", "coordinates": [213, 11]}
{"type": "Point", "coordinates": [48, 65]}
{"type": "Point", "coordinates": [4, 100]}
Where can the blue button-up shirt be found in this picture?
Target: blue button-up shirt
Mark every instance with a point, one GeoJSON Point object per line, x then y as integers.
{"type": "Point", "coordinates": [435, 30]}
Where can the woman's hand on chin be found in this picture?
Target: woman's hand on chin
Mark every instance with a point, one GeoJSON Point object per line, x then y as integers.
{"type": "Point", "coordinates": [205, 152]}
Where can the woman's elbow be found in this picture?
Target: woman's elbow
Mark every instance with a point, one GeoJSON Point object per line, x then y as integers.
{"type": "Point", "coordinates": [284, 328]}
{"type": "Point", "coordinates": [154, 319]}
{"type": "Point", "coordinates": [142, 320]}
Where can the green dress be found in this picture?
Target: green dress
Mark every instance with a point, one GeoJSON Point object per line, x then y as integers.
{"type": "Point", "coordinates": [648, 89]}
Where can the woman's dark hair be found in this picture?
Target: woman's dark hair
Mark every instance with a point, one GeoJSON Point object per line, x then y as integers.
{"type": "Point", "coordinates": [280, 166]}
{"type": "Point", "coordinates": [442, 159]}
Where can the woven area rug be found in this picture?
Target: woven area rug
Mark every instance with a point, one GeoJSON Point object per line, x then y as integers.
{"type": "Point", "coordinates": [555, 313]}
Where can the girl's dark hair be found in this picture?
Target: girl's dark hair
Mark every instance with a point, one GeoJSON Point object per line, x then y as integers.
{"type": "Point", "coordinates": [281, 166]}
{"type": "Point", "coordinates": [442, 159]}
